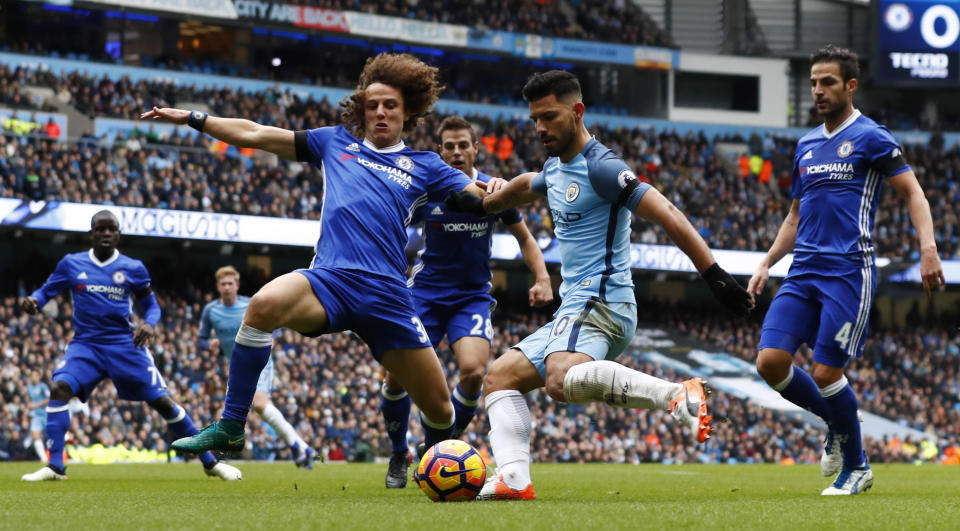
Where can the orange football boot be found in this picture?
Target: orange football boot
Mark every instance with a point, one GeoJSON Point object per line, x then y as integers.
{"type": "Point", "coordinates": [498, 490]}
{"type": "Point", "coordinates": [690, 406]}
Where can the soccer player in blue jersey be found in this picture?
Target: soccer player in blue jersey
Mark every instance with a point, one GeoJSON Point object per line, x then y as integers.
{"type": "Point", "coordinates": [223, 316]}
{"type": "Point", "coordinates": [373, 184]}
{"type": "Point", "coordinates": [451, 292]}
{"type": "Point", "coordinates": [592, 194]}
{"type": "Point", "coordinates": [838, 172]}
{"type": "Point", "coordinates": [106, 344]}
{"type": "Point", "coordinates": [38, 393]}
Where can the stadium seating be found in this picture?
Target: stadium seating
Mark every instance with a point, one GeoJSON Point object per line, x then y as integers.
{"type": "Point", "coordinates": [329, 388]}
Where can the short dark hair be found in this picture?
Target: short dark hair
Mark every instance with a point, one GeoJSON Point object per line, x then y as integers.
{"type": "Point", "coordinates": [455, 123]}
{"type": "Point", "coordinates": [847, 60]}
{"type": "Point", "coordinates": [104, 214]}
{"type": "Point", "coordinates": [560, 83]}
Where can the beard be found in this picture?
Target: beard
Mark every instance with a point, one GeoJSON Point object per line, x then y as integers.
{"type": "Point", "coordinates": [834, 110]}
{"type": "Point", "coordinates": [560, 144]}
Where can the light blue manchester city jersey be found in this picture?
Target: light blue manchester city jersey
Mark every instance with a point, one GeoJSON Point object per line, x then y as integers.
{"type": "Point", "coordinates": [591, 200]}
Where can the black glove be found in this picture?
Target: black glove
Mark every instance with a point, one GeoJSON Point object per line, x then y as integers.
{"type": "Point", "coordinates": [463, 201]}
{"type": "Point", "coordinates": [727, 290]}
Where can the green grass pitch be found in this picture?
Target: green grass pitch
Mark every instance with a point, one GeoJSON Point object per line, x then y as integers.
{"type": "Point", "coordinates": [278, 496]}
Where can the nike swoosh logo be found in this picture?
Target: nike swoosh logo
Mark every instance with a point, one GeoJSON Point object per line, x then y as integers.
{"type": "Point", "coordinates": [235, 441]}
{"type": "Point", "coordinates": [721, 284]}
{"type": "Point", "coordinates": [447, 473]}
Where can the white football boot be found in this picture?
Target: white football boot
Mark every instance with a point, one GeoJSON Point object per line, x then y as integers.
{"type": "Point", "coordinates": [44, 474]}
{"type": "Point", "coordinates": [851, 482]}
{"type": "Point", "coordinates": [223, 471]}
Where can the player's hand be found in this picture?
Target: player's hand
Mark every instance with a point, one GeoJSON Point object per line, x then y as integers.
{"type": "Point", "coordinates": [758, 280]}
{"type": "Point", "coordinates": [167, 114]}
{"type": "Point", "coordinates": [29, 305]}
{"type": "Point", "coordinates": [142, 334]}
{"type": "Point", "coordinates": [728, 291]}
{"type": "Point", "coordinates": [495, 185]}
{"type": "Point", "coordinates": [464, 201]}
{"type": "Point", "coordinates": [215, 345]}
{"type": "Point", "coordinates": [931, 271]}
{"type": "Point", "coordinates": [541, 293]}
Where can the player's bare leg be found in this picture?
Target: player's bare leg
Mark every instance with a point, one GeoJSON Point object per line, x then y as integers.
{"type": "Point", "coordinates": [286, 301]}
{"type": "Point", "coordinates": [419, 372]}
{"type": "Point", "coordinates": [473, 355]}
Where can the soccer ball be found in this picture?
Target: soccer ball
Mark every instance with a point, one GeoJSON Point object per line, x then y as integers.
{"type": "Point", "coordinates": [451, 471]}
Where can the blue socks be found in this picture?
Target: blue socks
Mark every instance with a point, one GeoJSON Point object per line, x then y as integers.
{"type": "Point", "coordinates": [465, 407]}
{"type": "Point", "coordinates": [182, 426]}
{"type": "Point", "coordinates": [395, 408]}
{"type": "Point", "coordinates": [799, 388]}
{"type": "Point", "coordinates": [842, 402]}
{"type": "Point", "coordinates": [250, 355]}
{"type": "Point", "coordinates": [58, 421]}
{"type": "Point", "coordinates": [434, 433]}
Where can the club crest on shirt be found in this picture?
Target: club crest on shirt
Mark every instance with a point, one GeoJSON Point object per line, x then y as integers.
{"type": "Point", "coordinates": [119, 277]}
{"type": "Point", "coordinates": [573, 191]}
{"type": "Point", "coordinates": [845, 149]}
{"type": "Point", "coordinates": [404, 163]}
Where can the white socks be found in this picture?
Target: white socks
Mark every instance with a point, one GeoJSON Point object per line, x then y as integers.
{"type": "Point", "coordinates": [274, 418]}
{"type": "Point", "coordinates": [616, 385]}
{"type": "Point", "coordinates": [38, 447]}
{"type": "Point", "coordinates": [510, 436]}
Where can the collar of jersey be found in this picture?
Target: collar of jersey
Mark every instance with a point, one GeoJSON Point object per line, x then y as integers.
{"type": "Point", "coordinates": [392, 149]}
{"type": "Point", "coordinates": [586, 147]}
{"type": "Point", "coordinates": [846, 123]}
{"type": "Point", "coordinates": [474, 174]}
{"type": "Point", "coordinates": [95, 260]}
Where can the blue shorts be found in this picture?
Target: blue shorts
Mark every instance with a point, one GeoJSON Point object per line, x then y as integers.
{"type": "Point", "coordinates": [458, 316]}
{"type": "Point", "coordinates": [599, 329]}
{"type": "Point", "coordinates": [38, 421]}
{"type": "Point", "coordinates": [130, 368]}
{"type": "Point", "coordinates": [265, 382]}
{"type": "Point", "coordinates": [831, 313]}
{"type": "Point", "coordinates": [378, 309]}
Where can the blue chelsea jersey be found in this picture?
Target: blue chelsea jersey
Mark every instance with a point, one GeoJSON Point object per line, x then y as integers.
{"type": "Point", "coordinates": [838, 177]}
{"type": "Point", "coordinates": [369, 198]}
{"type": "Point", "coordinates": [102, 294]}
{"type": "Point", "coordinates": [456, 253]}
{"type": "Point", "coordinates": [591, 200]}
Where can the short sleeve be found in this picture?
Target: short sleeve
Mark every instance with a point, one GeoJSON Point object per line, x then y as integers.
{"type": "Point", "coordinates": [613, 180]}
{"type": "Point", "coordinates": [539, 184]}
{"type": "Point", "coordinates": [312, 144]}
{"type": "Point", "coordinates": [796, 187]}
{"type": "Point", "coordinates": [510, 216]}
{"type": "Point", "coordinates": [885, 154]}
{"type": "Point", "coordinates": [447, 179]}
{"type": "Point", "coordinates": [142, 281]}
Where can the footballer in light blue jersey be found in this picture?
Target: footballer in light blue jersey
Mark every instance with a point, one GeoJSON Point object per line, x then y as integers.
{"type": "Point", "coordinates": [451, 292]}
{"type": "Point", "coordinates": [106, 342]}
{"type": "Point", "coordinates": [592, 195]}
{"type": "Point", "coordinates": [372, 185]}
{"type": "Point", "coordinates": [222, 318]}
{"type": "Point", "coordinates": [839, 171]}
{"type": "Point", "coordinates": [38, 394]}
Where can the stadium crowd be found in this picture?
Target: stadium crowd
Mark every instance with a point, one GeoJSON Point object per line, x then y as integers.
{"type": "Point", "coordinates": [328, 388]}
{"type": "Point", "coordinates": [732, 202]}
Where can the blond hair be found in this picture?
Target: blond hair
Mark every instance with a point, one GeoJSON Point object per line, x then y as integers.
{"type": "Point", "coordinates": [228, 270]}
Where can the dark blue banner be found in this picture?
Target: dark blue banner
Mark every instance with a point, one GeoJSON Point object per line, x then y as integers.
{"type": "Point", "coordinates": [918, 42]}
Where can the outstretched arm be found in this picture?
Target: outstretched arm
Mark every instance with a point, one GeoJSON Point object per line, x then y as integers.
{"type": "Point", "coordinates": [931, 270]}
{"type": "Point", "coordinates": [783, 244]}
{"type": "Point", "coordinates": [654, 207]}
{"type": "Point", "coordinates": [56, 282]}
{"type": "Point", "coordinates": [481, 199]}
{"type": "Point", "coordinates": [235, 131]}
{"type": "Point", "coordinates": [151, 316]}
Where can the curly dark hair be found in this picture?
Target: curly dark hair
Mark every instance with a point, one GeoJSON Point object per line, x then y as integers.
{"type": "Point", "coordinates": [417, 81]}
{"type": "Point", "coordinates": [846, 59]}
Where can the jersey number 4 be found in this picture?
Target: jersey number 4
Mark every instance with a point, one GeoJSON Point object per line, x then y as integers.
{"type": "Point", "coordinates": [843, 336]}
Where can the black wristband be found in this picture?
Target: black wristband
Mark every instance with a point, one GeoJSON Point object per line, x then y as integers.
{"type": "Point", "coordinates": [197, 120]}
